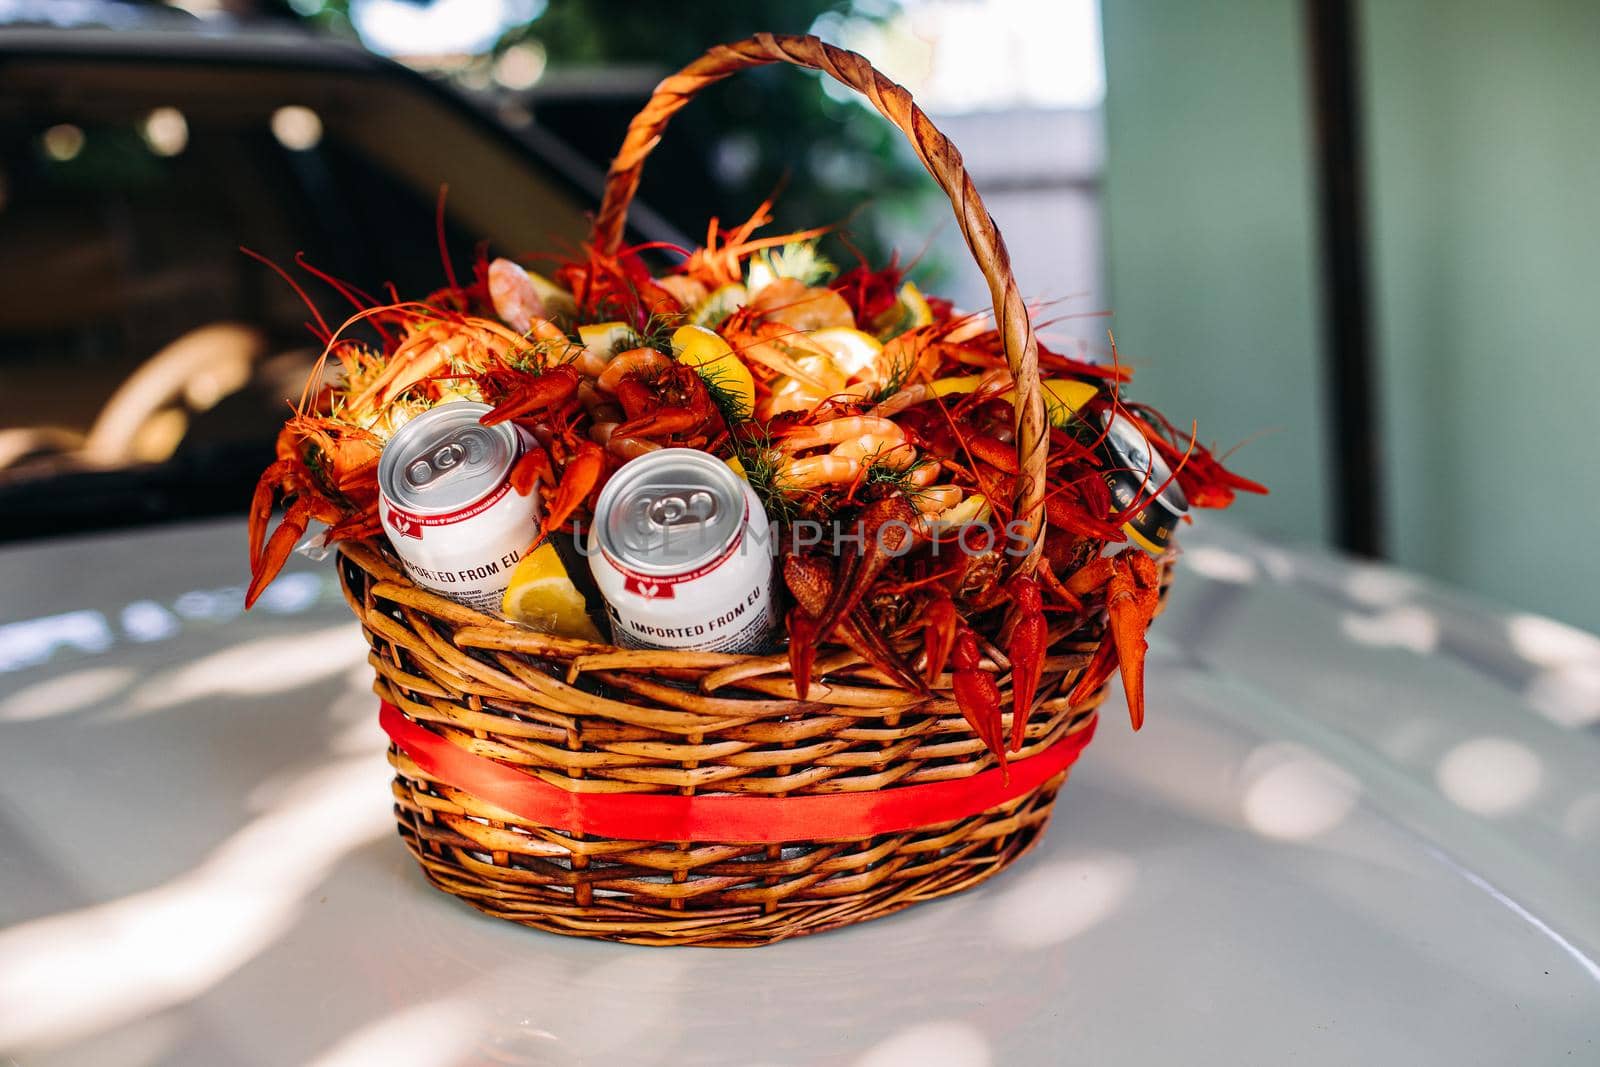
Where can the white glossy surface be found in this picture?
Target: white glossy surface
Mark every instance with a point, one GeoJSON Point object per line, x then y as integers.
{"type": "Point", "coordinates": [1362, 824]}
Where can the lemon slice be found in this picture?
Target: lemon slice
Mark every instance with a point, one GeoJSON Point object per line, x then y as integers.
{"type": "Point", "coordinates": [542, 597]}
{"type": "Point", "coordinates": [559, 307]}
{"type": "Point", "coordinates": [1059, 393]}
{"type": "Point", "coordinates": [916, 306]}
{"type": "Point", "coordinates": [605, 338]}
{"type": "Point", "coordinates": [708, 353]}
{"type": "Point", "coordinates": [722, 302]}
{"type": "Point", "coordinates": [974, 508]}
{"type": "Point", "coordinates": [910, 311]}
{"type": "Point", "coordinates": [852, 351]}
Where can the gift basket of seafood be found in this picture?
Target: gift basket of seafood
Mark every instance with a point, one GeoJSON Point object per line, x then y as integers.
{"type": "Point", "coordinates": [720, 595]}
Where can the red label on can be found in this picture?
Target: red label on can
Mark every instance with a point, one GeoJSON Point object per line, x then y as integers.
{"type": "Point", "coordinates": [407, 524]}
{"type": "Point", "coordinates": [660, 586]}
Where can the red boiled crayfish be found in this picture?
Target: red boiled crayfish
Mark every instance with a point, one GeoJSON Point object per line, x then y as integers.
{"type": "Point", "coordinates": [1131, 582]}
{"type": "Point", "coordinates": [810, 579]}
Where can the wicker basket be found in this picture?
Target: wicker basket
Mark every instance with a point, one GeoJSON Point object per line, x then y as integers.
{"type": "Point", "coordinates": [718, 736]}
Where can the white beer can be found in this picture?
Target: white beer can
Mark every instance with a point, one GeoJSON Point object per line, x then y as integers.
{"type": "Point", "coordinates": [448, 507]}
{"type": "Point", "coordinates": [681, 551]}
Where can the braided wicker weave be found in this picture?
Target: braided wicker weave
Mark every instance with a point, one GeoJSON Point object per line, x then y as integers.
{"type": "Point", "coordinates": [593, 719]}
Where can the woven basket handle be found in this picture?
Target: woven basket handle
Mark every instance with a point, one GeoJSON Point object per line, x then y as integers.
{"type": "Point", "coordinates": [943, 162]}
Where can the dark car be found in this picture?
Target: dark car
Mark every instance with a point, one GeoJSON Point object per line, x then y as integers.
{"type": "Point", "coordinates": [145, 360]}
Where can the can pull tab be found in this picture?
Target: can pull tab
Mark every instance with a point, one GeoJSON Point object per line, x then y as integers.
{"type": "Point", "coordinates": [461, 451]}
{"type": "Point", "coordinates": [696, 507]}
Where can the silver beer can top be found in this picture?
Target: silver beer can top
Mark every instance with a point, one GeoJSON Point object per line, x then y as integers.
{"type": "Point", "coordinates": [445, 459]}
{"type": "Point", "coordinates": [1129, 448]}
{"type": "Point", "coordinates": [670, 511]}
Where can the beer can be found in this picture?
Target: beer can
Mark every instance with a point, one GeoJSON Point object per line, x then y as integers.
{"type": "Point", "coordinates": [680, 548]}
{"type": "Point", "coordinates": [447, 505]}
{"type": "Point", "coordinates": [1136, 472]}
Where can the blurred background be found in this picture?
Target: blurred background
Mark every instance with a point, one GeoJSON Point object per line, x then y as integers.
{"type": "Point", "coordinates": [1352, 238]}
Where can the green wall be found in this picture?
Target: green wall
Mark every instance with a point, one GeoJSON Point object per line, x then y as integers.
{"type": "Point", "coordinates": [1209, 227]}
{"type": "Point", "coordinates": [1482, 122]}
{"type": "Point", "coordinates": [1483, 127]}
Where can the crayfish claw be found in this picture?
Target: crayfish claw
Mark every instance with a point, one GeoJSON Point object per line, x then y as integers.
{"type": "Point", "coordinates": [884, 531]}
{"type": "Point", "coordinates": [1029, 636]}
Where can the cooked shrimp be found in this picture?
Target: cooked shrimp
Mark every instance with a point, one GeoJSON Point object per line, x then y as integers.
{"type": "Point", "coordinates": [604, 434]}
{"type": "Point", "coordinates": [836, 431]}
{"type": "Point", "coordinates": [875, 449]}
{"type": "Point", "coordinates": [811, 471]}
{"type": "Point", "coordinates": [512, 293]}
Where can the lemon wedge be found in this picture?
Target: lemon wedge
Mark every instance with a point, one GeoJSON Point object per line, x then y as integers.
{"type": "Point", "coordinates": [1068, 393]}
{"type": "Point", "coordinates": [542, 597]}
{"type": "Point", "coordinates": [604, 338]}
{"type": "Point", "coordinates": [708, 353]}
{"type": "Point", "coordinates": [851, 350]}
{"type": "Point", "coordinates": [910, 311]}
{"type": "Point", "coordinates": [974, 508]}
{"type": "Point", "coordinates": [722, 302]}
{"type": "Point", "coordinates": [559, 307]}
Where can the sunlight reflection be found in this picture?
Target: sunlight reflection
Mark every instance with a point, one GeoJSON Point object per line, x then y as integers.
{"type": "Point", "coordinates": [1406, 627]}
{"type": "Point", "coordinates": [145, 621]}
{"type": "Point", "coordinates": [84, 971]}
{"type": "Point", "coordinates": [1279, 565]}
{"type": "Point", "coordinates": [33, 641]}
{"type": "Point", "coordinates": [29, 642]}
{"type": "Point", "coordinates": [438, 1033]}
{"type": "Point", "coordinates": [1293, 794]}
{"type": "Point", "coordinates": [1567, 690]}
{"type": "Point", "coordinates": [946, 1043]}
{"type": "Point", "coordinates": [259, 666]}
{"type": "Point", "coordinates": [1568, 695]}
{"type": "Point", "coordinates": [291, 594]}
{"type": "Point", "coordinates": [1220, 564]}
{"type": "Point", "coordinates": [1490, 775]}
{"type": "Point", "coordinates": [1550, 643]}
{"type": "Point", "coordinates": [66, 693]}
{"type": "Point", "coordinates": [1055, 902]}
{"type": "Point", "coordinates": [215, 604]}
{"type": "Point", "coordinates": [1377, 586]}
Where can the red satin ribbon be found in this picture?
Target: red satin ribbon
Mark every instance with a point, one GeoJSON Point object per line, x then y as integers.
{"type": "Point", "coordinates": [740, 818]}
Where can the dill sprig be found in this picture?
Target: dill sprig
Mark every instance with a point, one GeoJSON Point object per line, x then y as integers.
{"type": "Point", "coordinates": [801, 261]}
{"type": "Point", "coordinates": [733, 407]}
{"type": "Point", "coordinates": [896, 379]}
{"type": "Point", "coordinates": [897, 478]}
{"type": "Point", "coordinates": [758, 455]}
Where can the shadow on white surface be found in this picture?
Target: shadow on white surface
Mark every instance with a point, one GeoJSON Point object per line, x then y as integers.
{"type": "Point", "coordinates": [73, 974]}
